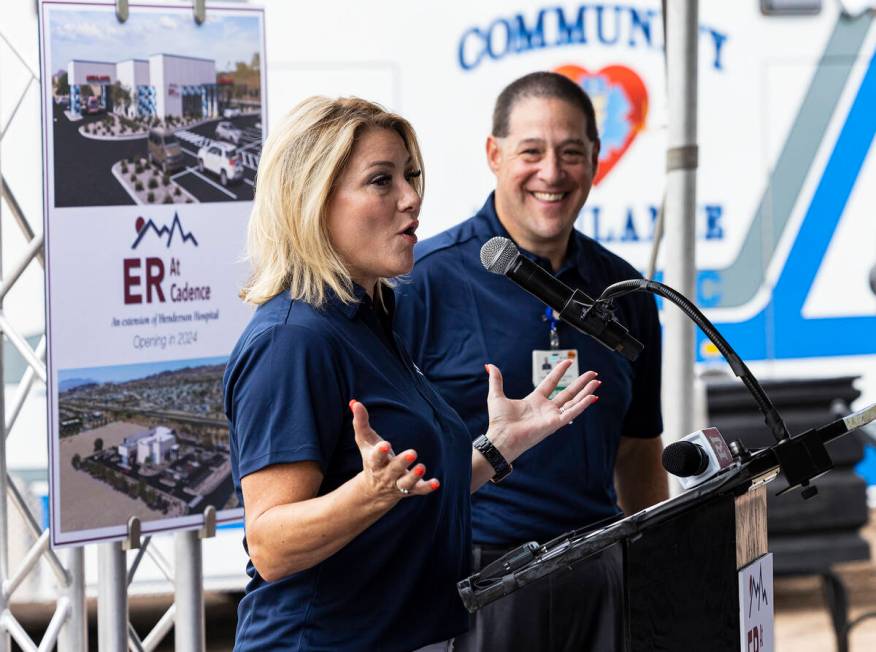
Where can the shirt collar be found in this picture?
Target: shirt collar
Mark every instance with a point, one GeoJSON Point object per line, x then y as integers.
{"type": "Point", "coordinates": [350, 310]}
{"type": "Point", "coordinates": [487, 225]}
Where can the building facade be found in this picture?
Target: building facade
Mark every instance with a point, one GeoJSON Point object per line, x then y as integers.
{"type": "Point", "coordinates": [162, 86]}
{"type": "Point", "coordinates": [155, 446]}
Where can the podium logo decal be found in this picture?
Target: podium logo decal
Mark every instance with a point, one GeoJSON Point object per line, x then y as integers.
{"type": "Point", "coordinates": [757, 591]}
{"type": "Point", "coordinates": [621, 103]}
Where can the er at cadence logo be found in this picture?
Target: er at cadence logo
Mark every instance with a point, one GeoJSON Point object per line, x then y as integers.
{"type": "Point", "coordinates": [144, 279]}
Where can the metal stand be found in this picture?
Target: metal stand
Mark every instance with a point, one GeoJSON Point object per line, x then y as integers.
{"type": "Point", "coordinates": [837, 601]}
{"type": "Point", "coordinates": [189, 598]}
{"type": "Point", "coordinates": [681, 19]}
{"type": "Point", "coordinates": [67, 627]}
{"type": "Point", "coordinates": [189, 595]}
{"type": "Point", "coordinates": [112, 598]}
{"type": "Point", "coordinates": [74, 633]}
{"type": "Point", "coordinates": [4, 515]}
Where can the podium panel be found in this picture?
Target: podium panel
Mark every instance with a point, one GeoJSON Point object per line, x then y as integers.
{"type": "Point", "coordinates": [680, 577]}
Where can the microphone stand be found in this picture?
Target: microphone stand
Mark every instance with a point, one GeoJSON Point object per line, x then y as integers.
{"type": "Point", "coordinates": [802, 458]}
{"type": "Point", "coordinates": [771, 415]}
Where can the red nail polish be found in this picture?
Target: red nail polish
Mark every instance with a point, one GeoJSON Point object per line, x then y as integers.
{"type": "Point", "coordinates": [434, 484]}
{"type": "Point", "coordinates": [351, 403]}
{"type": "Point", "coordinates": [487, 367]}
{"type": "Point", "coordinates": [595, 398]}
{"type": "Point", "coordinates": [420, 471]}
{"type": "Point", "coordinates": [384, 448]}
{"type": "Point", "coordinates": [410, 457]}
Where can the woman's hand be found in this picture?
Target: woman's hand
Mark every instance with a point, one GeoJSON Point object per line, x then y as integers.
{"type": "Point", "coordinates": [386, 476]}
{"type": "Point", "coordinates": [518, 425]}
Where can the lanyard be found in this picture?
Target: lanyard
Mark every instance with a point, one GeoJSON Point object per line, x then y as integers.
{"type": "Point", "coordinates": [550, 316]}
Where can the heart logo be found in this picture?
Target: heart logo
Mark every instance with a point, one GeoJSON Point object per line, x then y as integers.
{"type": "Point", "coordinates": [621, 103]}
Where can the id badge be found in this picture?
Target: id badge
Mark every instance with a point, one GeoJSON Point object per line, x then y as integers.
{"type": "Point", "coordinates": [543, 362]}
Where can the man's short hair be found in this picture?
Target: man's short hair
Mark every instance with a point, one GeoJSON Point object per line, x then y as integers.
{"type": "Point", "coordinates": [547, 85]}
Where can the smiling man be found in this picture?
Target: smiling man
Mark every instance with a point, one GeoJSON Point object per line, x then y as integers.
{"type": "Point", "coordinates": [455, 316]}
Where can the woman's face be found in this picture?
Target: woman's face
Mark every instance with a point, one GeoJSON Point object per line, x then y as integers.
{"type": "Point", "coordinates": [373, 209]}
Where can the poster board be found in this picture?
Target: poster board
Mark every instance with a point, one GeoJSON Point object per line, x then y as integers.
{"type": "Point", "coordinates": [152, 133]}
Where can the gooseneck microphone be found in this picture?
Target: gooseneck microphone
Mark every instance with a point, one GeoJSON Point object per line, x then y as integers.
{"type": "Point", "coordinates": [501, 256]}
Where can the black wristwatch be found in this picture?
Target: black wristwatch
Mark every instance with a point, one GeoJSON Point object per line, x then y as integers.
{"type": "Point", "coordinates": [500, 465]}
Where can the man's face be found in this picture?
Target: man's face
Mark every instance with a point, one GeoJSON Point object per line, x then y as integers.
{"type": "Point", "coordinates": [544, 168]}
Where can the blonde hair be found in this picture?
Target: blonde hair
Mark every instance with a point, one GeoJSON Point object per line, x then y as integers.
{"type": "Point", "coordinates": [288, 245]}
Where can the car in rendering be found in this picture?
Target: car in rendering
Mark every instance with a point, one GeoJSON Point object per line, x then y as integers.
{"type": "Point", "coordinates": [163, 149]}
{"type": "Point", "coordinates": [223, 160]}
{"type": "Point", "coordinates": [230, 112]}
{"type": "Point", "coordinates": [92, 104]}
{"type": "Point", "coordinates": [227, 131]}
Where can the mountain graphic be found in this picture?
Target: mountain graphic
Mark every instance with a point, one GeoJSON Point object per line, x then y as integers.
{"type": "Point", "coordinates": [147, 226]}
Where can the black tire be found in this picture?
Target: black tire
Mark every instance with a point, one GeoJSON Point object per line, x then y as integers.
{"type": "Point", "coordinates": [223, 178]}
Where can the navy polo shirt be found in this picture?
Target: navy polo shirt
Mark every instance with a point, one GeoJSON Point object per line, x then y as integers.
{"type": "Point", "coordinates": [454, 316]}
{"type": "Point", "coordinates": [287, 387]}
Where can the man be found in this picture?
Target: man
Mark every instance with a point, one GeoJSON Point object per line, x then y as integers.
{"type": "Point", "coordinates": [454, 316]}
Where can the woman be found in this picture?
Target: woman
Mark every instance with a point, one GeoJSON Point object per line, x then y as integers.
{"type": "Point", "coordinates": [352, 544]}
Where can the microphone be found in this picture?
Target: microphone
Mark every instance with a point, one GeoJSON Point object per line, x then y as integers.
{"type": "Point", "coordinates": [697, 457]}
{"type": "Point", "coordinates": [501, 256]}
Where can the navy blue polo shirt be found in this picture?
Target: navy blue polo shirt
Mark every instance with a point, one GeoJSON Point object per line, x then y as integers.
{"type": "Point", "coordinates": [287, 387]}
{"type": "Point", "coordinates": [454, 316]}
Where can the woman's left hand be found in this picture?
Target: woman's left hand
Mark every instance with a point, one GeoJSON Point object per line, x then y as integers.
{"type": "Point", "coordinates": [517, 425]}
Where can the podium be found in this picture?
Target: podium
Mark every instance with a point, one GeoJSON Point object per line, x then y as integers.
{"type": "Point", "coordinates": [681, 564]}
{"type": "Point", "coordinates": [681, 576]}
{"type": "Point", "coordinates": [688, 562]}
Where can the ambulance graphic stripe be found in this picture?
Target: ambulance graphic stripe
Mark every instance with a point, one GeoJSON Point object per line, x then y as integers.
{"type": "Point", "coordinates": [789, 334]}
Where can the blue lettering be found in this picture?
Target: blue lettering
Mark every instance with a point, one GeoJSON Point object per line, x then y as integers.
{"type": "Point", "coordinates": [655, 213]}
{"type": "Point", "coordinates": [595, 211]}
{"type": "Point", "coordinates": [637, 22]}
{"type": "Point", "coordinates": [570, 33]}
{"type": "Point", "coordinates": [708, 289]}
{"type": "Point", "coordinates": [629, 234]}
{"type": "Point", "coordinates": [714, 218]}
{"type": "Point", "coordinates": [600, 10]}
{"type": "Point", "coordinates": [467, 64]}
{"type": "Point", "coordinates": [556, 26]}
{"type": "Point", "coordinates": [491, 49]}
{"type": "Point", "coordinates": [718, 40]}
{"type": "Point", "coordinates": [525, 38]}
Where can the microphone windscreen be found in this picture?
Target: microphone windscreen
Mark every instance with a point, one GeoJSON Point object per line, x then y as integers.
{"type": "Point", "coordinates": [497, 254]}
{"type": "Point", "coordinates": [684, 459]}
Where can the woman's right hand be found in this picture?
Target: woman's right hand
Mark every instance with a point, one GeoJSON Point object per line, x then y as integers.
{"type": "Point", "coordinates": [387, 477]}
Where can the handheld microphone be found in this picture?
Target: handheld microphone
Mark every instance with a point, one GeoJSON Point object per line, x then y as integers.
{"type": "Point", "coordinates": [697, 457]}
{"type": "Point", "coordinates": [501, 256]}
